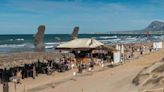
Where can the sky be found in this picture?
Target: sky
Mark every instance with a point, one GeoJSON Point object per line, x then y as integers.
{"type": "Point", "coordinates": [61, 16]}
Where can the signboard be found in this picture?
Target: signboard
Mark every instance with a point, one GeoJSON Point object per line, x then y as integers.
{"type": "Point", "coordinates": [116, 57]}
{"type": "Point", "coordinates": [157, 45]}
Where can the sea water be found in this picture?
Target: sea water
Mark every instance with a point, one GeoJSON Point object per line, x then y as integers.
{"type": "Point", "coordinates": [19, 43]}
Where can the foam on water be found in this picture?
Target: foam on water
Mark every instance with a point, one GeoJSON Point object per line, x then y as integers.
{"type": "Point", "coordinates": [49, 47]}
{"type": "Point", "coordinates": [27, 45]}
{"type": "Point", "coordinates": [108, 37]}
{"type": "Point", "coordinates": [52, 43]}
{"type": "Point", "coordinates": [11, 45]}
{"type": "Point", "coordinates": [20, 39]}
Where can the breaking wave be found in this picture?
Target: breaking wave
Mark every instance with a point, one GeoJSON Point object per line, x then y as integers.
{"type": "Point", "coordinates": [17, 45]}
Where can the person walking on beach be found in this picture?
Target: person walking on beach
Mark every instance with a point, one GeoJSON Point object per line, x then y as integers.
{"type": "Point", "coordinates": [79, 65]}
{"type": "Point", "coordinates": [132, 52]}
{"type": "Point", "coordinates": [141, 50]}
{"type": "Point", "coordinates": [92, 63]}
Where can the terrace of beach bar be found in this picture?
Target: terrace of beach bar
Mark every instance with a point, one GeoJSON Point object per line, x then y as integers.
{"type": "Point", "coordinates": [28, 63]}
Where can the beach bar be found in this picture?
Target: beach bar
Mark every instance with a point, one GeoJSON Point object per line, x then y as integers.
{"type": "Point", "coordinates": [87, 49]}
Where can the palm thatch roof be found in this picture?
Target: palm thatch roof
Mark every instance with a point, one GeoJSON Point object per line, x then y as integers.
{"type": "Point", "coordinates": [20, 59]}
{"type": "Point", "coordinates": [107, 48]}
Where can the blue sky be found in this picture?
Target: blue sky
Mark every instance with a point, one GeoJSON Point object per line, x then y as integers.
{"type": "Point", "coordinates": [60, 16]}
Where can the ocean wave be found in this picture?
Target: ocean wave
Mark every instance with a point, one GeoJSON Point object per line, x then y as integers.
{"type": "Point", "coordinates": [19, 39]}
{"type": "Point", "coordinates": [52, 43]}
{"type": "Point", "coordinates": [108, 37]}
{"type": "Point", "coordinates": [131, 39]}
{"type": "Point", "coordinates": [12, 45]}
{"type": "Point", "coordinates": [49, 47]}
{"type": "Point", "coordinates": [16, 45]}
{"type": "Point", "coordinates": [111, 40]}
{"type": "Point", "coordinates": [11, 39]}
{"type": "Point", "coordinates": [28, 45]}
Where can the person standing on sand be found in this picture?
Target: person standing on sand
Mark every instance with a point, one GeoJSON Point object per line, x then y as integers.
{"type": "Point", "coordinates": [73, 63]}
{"type": "Point", "coordinates": [19, 76]}
{"type": "Point", "coordinates": [132, 52]}
{"type": "Point", "coordinates": [79, 65]}
{"type": "Point", "coordinates": [141, 50]}
{"type": "Point", "coordinates": [92, 63]}
{"type": "Point", "coordinates": [150, 49]}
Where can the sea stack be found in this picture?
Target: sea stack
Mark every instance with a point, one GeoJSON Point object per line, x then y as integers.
{"type": "Point", "coordinates": [75, 33]}
{"type": "Point", "coordinates": [39, 39]}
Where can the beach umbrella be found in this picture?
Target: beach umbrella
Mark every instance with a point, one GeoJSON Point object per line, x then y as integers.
{"type": "Point", "coordinates": [122, 49]}
{"type": "Point", "coordinates": [82, 44]}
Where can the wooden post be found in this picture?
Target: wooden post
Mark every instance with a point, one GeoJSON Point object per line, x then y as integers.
{"type": "Point", "coordinates": [24, 88]}
{"type": "Point", "coordinates": [49, 69]}
{"type": "Point", "coordinates": [5, 87]}
{"type": "Point", "coordinates": [15, 86]}
{"type": "Point", "coordinates": [51, 63]}
{"type": "Point", "coordinates": [5, 82]}
{"type": "Point", "coordinates": [34, 71]}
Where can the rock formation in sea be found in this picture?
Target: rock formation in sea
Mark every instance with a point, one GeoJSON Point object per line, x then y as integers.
{"type": "Point", "coordinates": [75, 33]}
{"type": "Point", "coordinates": [155, 27]}
{"type": "Point", "coordinates": [39, 39]}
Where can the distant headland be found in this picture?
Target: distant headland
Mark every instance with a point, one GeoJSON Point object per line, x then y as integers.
{"type": "Point", "coordinates": [155, 27]}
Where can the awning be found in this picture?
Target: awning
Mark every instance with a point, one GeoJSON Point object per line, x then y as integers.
{"type": "Point", "coordinates": [84, 43]}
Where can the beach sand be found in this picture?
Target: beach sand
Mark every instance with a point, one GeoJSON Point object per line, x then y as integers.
{"type": "Point", "coordinates": [117, 79]}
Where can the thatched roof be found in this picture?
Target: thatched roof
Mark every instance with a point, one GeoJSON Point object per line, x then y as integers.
{"type": "Point", "coordinates": [19, 59]}
{"type": "Point", "coordinates": [106, 47]}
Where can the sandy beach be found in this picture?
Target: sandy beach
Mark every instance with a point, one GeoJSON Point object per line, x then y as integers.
{"type": "Point", "coordinates": [116, 79]}
{"type": "Point", "coordinates": [82, 46]}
